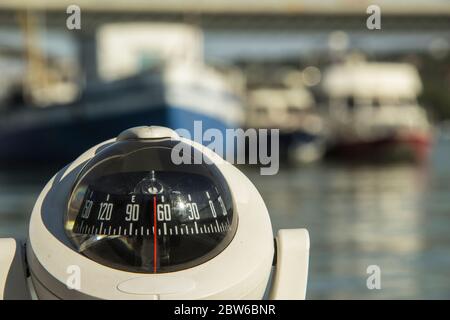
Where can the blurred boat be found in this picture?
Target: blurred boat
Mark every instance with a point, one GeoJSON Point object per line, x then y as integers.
{"type": "Point", "coordinates": [374, 113]}
{"type": "Point", "coordinates": [143, 81]}
{"type": "Point", "coordinates": [174, 97]}
{"type": "Point", "coordinates": [291, 109]}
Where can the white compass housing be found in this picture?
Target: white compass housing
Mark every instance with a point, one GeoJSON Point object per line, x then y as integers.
{"type": "Point", "coordinates": [67, 258]}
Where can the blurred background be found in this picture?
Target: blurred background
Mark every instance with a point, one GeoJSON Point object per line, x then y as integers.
{"type": "Point", "coordinates": [364, 115]}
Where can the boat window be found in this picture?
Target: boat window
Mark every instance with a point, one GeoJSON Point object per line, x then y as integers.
{"type": "Point", "coordinates": [376, 103]}
{"type": "Point", "coordinates": [363, 101]}
{"type": "Point", "coordinates": [261, 111]}
{"type": "Point", "coordinates": [407, 101]}
{"type": "Point", "coordinates": [351, 102]}
{"type": "Point", "coordinates": [294, 110]}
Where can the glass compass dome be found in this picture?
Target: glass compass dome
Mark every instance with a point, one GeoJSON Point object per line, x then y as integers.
{"type": "Point", "coordinates": [133, 209]}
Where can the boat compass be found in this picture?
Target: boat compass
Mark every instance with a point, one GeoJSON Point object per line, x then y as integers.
{"type": "Point", "coordinates": [124, 222]}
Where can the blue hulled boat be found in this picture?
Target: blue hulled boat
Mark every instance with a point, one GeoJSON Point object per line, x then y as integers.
{"type": "Point", "coordinates": [174, 97]}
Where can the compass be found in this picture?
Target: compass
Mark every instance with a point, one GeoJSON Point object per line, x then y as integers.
{"type": "Point", "coordinates": [132, 209]}
{"type": "Point", "coordinates": [125, 221]}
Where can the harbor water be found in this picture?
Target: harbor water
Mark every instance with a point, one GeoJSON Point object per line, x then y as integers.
{"type": "Point", "coordinates": [396, 217]}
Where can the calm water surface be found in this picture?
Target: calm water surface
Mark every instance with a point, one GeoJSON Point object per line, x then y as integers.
{"type": "Point", "coordinates": [394, 216]}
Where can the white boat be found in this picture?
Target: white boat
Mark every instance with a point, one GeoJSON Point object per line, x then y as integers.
{"type": "Point", "coordinates": [291, 109]}
{"type": "Point", "coordinates": [374, 112]}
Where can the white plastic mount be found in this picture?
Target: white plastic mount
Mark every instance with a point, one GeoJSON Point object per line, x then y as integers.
{"type": "Point", "coordinates": [13, 285]}
{"type": "Point", "coordinates": [291, 273]}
